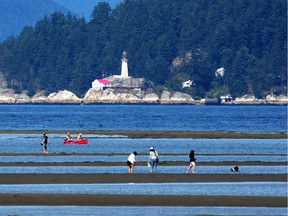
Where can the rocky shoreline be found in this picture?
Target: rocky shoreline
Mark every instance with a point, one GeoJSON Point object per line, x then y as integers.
{"type": "Point", "coordinates": [129, 90]}
{"type": "Point", "coordinates": [110, 96]}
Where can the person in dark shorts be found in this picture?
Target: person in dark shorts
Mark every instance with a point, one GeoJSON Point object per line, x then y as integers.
{"type": "Point", "coordinates": [130, 162]}
{"type": "Point", "coordinates": [45, 143]}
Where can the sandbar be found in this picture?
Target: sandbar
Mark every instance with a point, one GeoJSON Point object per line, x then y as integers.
{"type": "Point", "coordinates": [138, 200]}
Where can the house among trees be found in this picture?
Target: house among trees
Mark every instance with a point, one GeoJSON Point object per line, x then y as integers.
{"type": "Point", "coordinates": [101, 84]}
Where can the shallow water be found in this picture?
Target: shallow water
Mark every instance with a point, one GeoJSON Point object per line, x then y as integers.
{"type": "Point", "coordinates": [205, 189]}
{"type": "Point", "coordinates": [139, 210]}
{"type": "Point", "coordinates": [142, 169]}
{"type": "Point", "coordinates": [122, 158]}
{"type": "Point", "coordinates": [30, 143]}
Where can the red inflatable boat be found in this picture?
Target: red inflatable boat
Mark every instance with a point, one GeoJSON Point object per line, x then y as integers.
{"type": "Point", "coordinates": [83, 141]}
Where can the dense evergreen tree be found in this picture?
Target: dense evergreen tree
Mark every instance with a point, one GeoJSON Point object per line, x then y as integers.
{"type": "Point", "coordinates": [247, 38]}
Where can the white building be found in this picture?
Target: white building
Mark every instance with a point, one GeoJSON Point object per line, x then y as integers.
{"type": "Point", "coordinates": [101, 84]}
{"type": "Point", "coordinates": [124, 67]}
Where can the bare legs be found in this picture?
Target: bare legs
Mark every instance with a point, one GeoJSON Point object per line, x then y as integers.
{"type": "Point", "coordinates": [131, 168]}
{"type": "Point", "coordinates": [193, 166]}
{"type": "Point", "coordinates": [45, 151]}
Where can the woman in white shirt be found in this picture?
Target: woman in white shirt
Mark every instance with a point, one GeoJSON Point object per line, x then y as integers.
{"type": "Point", "coordinates": [130, 162]}
{"type": "Point", "coordinates": [154, 159]}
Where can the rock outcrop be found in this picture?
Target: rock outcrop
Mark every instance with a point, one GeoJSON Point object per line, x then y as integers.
{"type": "Point", "coordinates": [63, 97]}
{"type": "Point", "coordinates": [129, 90]}
{"type": "Point", "coordinates": [109, 96]}
{"type": "Point", "coordinates": [273, 99]}
{"type": "Point", "coordinates": [247, 99]}
{"type": "Point", "coordinates": [124, 96]}
{"type": "Point", "coordinates": [175, 97]}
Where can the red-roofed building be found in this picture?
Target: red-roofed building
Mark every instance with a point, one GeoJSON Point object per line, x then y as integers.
{"type": "Point", "coordinates": [101, 84]}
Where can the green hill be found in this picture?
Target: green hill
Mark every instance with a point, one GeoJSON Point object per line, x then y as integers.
{"type": "Point", "coordinates": [168, 42]}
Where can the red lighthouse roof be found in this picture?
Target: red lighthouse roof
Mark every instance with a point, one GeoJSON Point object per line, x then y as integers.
{"type": "Point", "coordinates": [104, 81]}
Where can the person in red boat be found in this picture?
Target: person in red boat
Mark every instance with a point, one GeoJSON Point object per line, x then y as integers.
{"type": "Point", "coordinates": [69, 138]}
{"type": "Point", "coordinates": [79, 137]}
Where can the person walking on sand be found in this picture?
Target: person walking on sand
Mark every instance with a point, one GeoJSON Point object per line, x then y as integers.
{"type": "Point", "coordinates": [192, 162]}
{"type": "Point", "coordinates": [131, 161]}
{"type": "Point", "coordinates": [45, 143]}
{"type": "Point", "coordinates": [154, 159]}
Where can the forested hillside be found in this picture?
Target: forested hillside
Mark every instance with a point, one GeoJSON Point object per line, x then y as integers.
{"type": "Point", "coordinates": [84, 7]}
{"type": "Point", "coordinates": [167, 42]}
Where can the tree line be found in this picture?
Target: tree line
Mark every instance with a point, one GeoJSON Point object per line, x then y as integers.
{"type": "Point", "coordinates": [167, 41]}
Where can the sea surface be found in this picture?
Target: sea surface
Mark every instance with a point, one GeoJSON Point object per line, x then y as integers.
{"type": "Point", "coordinates": [144, 117]}
{"type": "Point", "coordinates": [116, 148]}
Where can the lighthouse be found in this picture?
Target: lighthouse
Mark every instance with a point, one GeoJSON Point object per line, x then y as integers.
{"type": "Point", "coordinates": [124, 66]}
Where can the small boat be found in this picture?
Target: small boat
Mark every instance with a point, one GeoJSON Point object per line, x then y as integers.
{"type": "Point", "coordinates": [83, 141]}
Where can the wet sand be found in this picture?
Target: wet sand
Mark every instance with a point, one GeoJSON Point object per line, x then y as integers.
{"type": "Point", "coordinates": [138, 200]}
{"type": "Point", "coordinates": [142, 200]}
{"type": "Point", "coordinates": [164, 163]}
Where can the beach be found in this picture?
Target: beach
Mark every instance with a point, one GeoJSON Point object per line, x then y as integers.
{"type": "Point", "coordinates": [137, 200]}
{"type": "Point", "coordinates": [47, 199]}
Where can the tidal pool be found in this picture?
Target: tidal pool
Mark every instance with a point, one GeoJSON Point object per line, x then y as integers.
{"type": "Point", "coordinates": [204, 189]}
{"type": "Point", "coordinates": [138, 210]}
{"type": "Point", "coordinates": [123, 158]}
{"type": "Point", "coordinates": [142, 169]}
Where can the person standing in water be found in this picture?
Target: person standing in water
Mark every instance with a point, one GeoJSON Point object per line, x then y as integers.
{"type": "Point", "coordinates": [154, 159]}
{"type": "Point", "coordinates": [130, 162]}
{"type": "Point", "coordinates": [45, 143]}
{"type": "Point", "coordinates": [192, 162]}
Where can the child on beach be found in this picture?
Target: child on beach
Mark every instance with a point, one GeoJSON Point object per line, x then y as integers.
{"type": "Point", "coordinates": [192, 162]}
{"type": "Point", "coordinates": [130, 162]}
{"type": "Point", "coordinates": [154, 159]}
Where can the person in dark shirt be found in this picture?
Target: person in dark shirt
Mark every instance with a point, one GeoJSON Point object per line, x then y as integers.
{"type": "Point", "coordinates": [192, 164]}
{"type": "Point", "coordinates": [45, 143]}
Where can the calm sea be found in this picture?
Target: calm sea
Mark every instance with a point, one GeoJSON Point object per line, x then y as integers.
{"type": "Point", "coordinates": [117, 148]}
{"type": "Point", "coordinates": [144, 117]}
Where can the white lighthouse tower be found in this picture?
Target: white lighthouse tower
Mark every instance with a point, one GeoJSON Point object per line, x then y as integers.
{"type": "Point", "coordinates": [124, 67]}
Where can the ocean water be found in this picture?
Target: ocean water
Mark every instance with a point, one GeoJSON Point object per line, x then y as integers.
{"type": "Point", "coordinates": [144, 117]}
{"type": "Point", "coordinates": [117, 148]}
{"type": "Point", "coordinates": [139, 210]}
{"type": "Point", "coordinates": [141, 168]}
{"type": "Point", "coordinates": [30, 143]}
{"type": "Point", "coordinates": [278, 189]}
